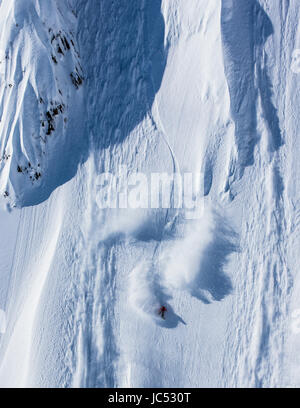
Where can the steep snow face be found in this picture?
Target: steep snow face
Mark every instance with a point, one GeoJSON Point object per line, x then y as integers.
{"type": "Point", "coordinates": [40, 94]}
{"type": "Point", "coordinates": [247, 71]}
{"type": "Point", "coordinates": [124, 53]}
{"type": "Point", "coordinates": [168, 86]}
{"type": "Point", "coordinates": [166, 110]}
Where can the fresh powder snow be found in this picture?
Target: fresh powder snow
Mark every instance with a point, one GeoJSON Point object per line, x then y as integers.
{"type": "Point", "coordinates": [149, 157]}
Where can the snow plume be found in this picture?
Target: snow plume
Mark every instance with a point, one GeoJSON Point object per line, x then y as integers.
{"type": "Point", "coordinates": [146, 296]}
{"type": "Point", "coordinates": [182, 259]}
{"type": "Point", "coordinates": [122, 223]}
{"type": "Point", "coordinates": [196, 261]}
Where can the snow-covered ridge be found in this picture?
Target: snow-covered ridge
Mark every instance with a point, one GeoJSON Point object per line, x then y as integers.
{"type": "Point", "coordinates": [40, 74]}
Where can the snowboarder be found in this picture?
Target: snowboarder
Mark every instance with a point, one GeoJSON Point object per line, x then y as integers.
{"type": "Point", "coordinates": [162, 311]}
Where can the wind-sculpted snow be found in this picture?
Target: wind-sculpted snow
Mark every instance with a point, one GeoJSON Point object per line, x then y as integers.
{"type": "Point", "coordinates": [40, 97]}
{"type": "Point", "coordinates": [247, 70]}
{"type": "Point", "coordinates": [124, 65]}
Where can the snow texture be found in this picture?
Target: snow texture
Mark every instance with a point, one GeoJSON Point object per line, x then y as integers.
{"type": "Point", "coordinates": [158, 86]}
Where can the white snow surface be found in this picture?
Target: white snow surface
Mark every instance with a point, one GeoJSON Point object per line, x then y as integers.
{"type": "Point", "coordinates": [158, 86]}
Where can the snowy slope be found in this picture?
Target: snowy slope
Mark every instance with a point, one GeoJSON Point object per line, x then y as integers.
{"type": "Point", "coordinates": [40, 76]}
{"type": "Point", "coordinates": [168, 86]}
